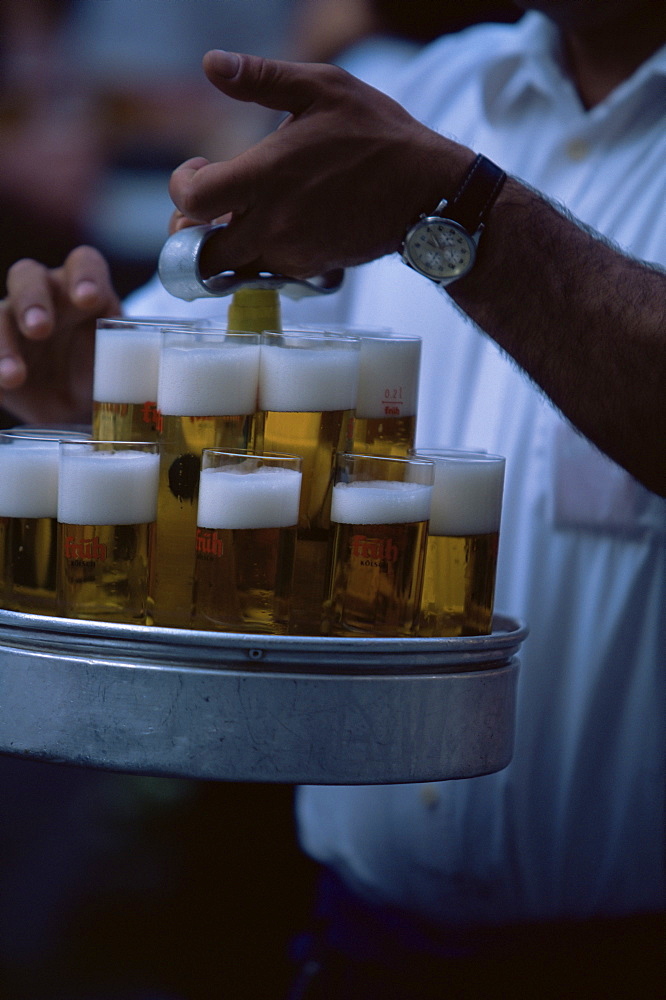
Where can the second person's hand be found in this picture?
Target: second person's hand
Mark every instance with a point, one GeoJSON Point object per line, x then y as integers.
{"type": "Point", "coordinates": [47, 327]}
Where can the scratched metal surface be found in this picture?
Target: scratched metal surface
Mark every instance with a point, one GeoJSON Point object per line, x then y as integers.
{"type": "Point", "coordinates": [218, 706]}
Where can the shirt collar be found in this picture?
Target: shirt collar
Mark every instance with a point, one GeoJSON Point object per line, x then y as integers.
{"type": "Point", "coordinates": [532, 59]}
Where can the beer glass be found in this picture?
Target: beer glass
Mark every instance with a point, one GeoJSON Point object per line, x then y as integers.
{"type": "Point", "coordinates": [307, 393]}
{"type": "Point", "coordinates": [59, 431]}
{"type": "Point", "coordinates": [207, 398]}
{"type": "Point", "coordinates": [388, 388]}
{"type": "Point", "coordinates": [461, 564]}
{"type": "Point", "coordinates": [388, 384]}
{"type": "Point", "coordinates": [380, 511]}
{"type": "Point", "coordinates": [107, 508]}
{"type": "Point", "coordinates": [127, 356]}
{"type": "Point", "coordinates": [245, 542]}
{"type": "Point", "coordinates": [28, 517]}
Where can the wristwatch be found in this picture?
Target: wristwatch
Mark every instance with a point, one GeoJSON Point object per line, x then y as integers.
{"type": "Point", "coordinates": [442, 246]}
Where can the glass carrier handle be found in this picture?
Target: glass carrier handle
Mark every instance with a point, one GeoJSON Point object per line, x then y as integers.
{"type": "Point", "coordinates": [179, 272]}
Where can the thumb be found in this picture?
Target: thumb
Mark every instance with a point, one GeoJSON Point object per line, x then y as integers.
{"type": "Point", "coordinates": [272, 83]}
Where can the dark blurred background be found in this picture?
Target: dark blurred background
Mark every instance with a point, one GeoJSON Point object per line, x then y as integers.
{"type": "Point", "coordinates": [101, 99]}
{"type": "Point", "coordinates": [116, 887]}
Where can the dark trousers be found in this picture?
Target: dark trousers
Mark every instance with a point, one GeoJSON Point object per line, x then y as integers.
{"type": "Point", "coordinates": [354, 950]}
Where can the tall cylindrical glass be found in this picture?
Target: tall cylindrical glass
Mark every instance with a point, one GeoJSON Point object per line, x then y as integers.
{"type": "Point", "coordinates": [388, 388]}
{"type": "Point", "coordinates": [28, 517]}
{"type": "Point", "coordinates": [461, 565]}
{"type": "Point", "coordinates": [380, 511]}
{"type": "Point", "coordinates": [127, 356]}
{"type": "Point", "coordinates": [107, 509]}
{"type": "Point", "coordinates": [246, 538]}
{"type": "Point", "coordinates": [207, 398]}
{"type": "Point", "coordinates": [307, 393]}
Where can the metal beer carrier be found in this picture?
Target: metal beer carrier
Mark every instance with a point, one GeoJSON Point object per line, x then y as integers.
{"type": "Point", "coordinates": [246, 707]}
{"type": "Point", "coordinates": [240, 707]}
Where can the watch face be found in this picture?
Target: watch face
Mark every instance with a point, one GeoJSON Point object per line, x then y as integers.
{"type": "Point", "coordinates": [440, 248]}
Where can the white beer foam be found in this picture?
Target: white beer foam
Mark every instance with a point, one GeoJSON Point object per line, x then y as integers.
{"type": "Point", "coordinates": [126, 365]}
{"type": "Point", "coordinates": [389, 377]}
{"type": "Point", "coordinates": [29, 478]}
{"type": "Point", "coordinates": [104, 487]}
{"type": "Point", "coordinates": [467, 497]}
{"type": "Point", "coordinates": [264, 498]}
{"type": "Point", "coordinates": [208, 381]}
{"type": "Point", "coordinates": [380, 502]}
{"type": "Point", "coordinates": [307, 380]}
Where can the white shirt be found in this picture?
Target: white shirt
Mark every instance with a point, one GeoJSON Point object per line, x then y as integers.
{"type": "Point", "coordinates": [575, 825]}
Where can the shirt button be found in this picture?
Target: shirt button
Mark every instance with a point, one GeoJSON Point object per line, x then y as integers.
{"type": "Point", "coordinates": [429, 795]}
{"type": "Point", "coordinates": [577, 150]}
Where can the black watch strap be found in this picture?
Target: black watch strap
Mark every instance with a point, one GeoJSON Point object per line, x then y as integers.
{"type": "Point", "coordinates": [476, 195]}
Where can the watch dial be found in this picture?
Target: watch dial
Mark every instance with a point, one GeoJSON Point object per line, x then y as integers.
{"type": "Point", "coordinates": [442, 250]}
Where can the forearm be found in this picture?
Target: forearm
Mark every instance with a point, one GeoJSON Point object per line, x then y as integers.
{"type": "Point", "coordinates": [587, 323]}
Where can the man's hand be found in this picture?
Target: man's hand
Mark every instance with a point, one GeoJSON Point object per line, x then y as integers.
{"type": "Point", "coordinates": [47, 328]}
{"type": "Point", "coordinates": [337, 184]}
{"type": "Point", "coordinates": [340, 182]}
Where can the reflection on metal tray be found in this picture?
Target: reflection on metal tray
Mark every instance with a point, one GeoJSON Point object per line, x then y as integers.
{"type": "Point", "coordinates": [221, 706]}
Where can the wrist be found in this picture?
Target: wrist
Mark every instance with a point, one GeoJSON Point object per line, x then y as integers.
{"type": "Point", "coordinates": [442, 167]}
{"type": "Point", "coordinates": [442, 244]}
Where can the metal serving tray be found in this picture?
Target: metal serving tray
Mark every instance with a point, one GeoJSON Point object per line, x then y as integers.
{"type": "Point", "coordinates": [221, 706]}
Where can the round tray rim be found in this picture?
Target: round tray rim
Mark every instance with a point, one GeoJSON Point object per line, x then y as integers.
{"type": "Point", "coordinates": [272, 653]}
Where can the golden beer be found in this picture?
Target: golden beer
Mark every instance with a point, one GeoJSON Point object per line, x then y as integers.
{"type": "Point", "coordinates": [31, 581]}
{"type": "Point", "coordinates": [241, 583]}
{"type": "Point", "coordinates": [307, 394]}
{"type": "Point", "coordinates": [28, 508]}
{"type": "Point", "coordinates": [125, 421]}
{"type": "Point", "coordinates": [245, 542]}
{"type": "Point", "coordinates": [388, 383]}
{"type": "Point", "coordinates": [380, 516]}
{"type": "Point", "coordinates": [459, 584]}
{"type": "Point", "coordinates": [107, 506]}
{"type": "Point", "coordinates": [390, 436]}
{"type": "Point", "coordinates": [254, 310]}
{"type": "Point", "coordinates": [207, 398]}
{"type": "Point", "coordinates": [105, 571]}
{"type": "Point", "coordinates": [461, 562]}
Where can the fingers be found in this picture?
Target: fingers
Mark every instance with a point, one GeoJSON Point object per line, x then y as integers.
{"type": "Point", "coordinates": [88, 279]}
{"type": "Point", "coordinates": [179, 221]}
{"type": "Point", "coordinates": [87, 283]}
{"type": "Point", "coordinates": [204, 192]}
{"type": "Point", "coordinates": [224, 250]}
{"type": "Point", "coordinates": [42, 302]}
{"type": "Point", "coordinates": [36, 294]}
{"type": "Point", "coordinates": [192, 209]}
{"type": "Point", "coordinates": [282, 86]}
{"type": "Point", "coordinates": [30, 298]}
{"type": "Point", "coordinates": [12, 366]}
